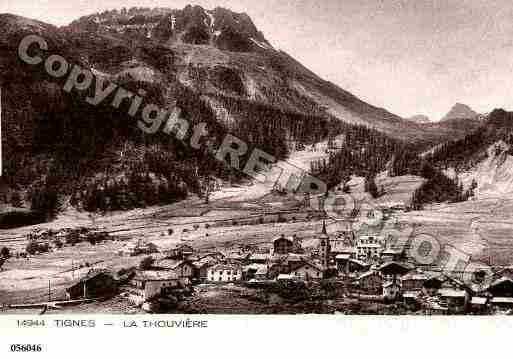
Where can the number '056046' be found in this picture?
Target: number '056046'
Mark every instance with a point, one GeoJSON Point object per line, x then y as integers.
{"type": "Point", "coordinates": [26, 348]}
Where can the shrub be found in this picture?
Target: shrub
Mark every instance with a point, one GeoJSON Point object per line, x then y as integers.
{"type": "Point", "coordinates": [5, 253]}
{"type": "Point", "coordinates": [58, 243]}
{"type": "Point", "coordinates": [44, 247]}
{"type": "Point", "coordinates": [16, 199]}
{"type": "Point", "coordinates": [32, 248]}
{"type": "Point", "coordinates": [45, 199]}
{"type": "Point", "coordinates": [146, 263]}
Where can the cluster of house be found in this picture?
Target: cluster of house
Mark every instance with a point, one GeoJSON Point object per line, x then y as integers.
{"type": "Point", "coordinates": [367, 266]}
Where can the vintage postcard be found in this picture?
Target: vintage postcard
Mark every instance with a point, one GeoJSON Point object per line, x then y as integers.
{"type": "Point", "coordinates": [165, 161]}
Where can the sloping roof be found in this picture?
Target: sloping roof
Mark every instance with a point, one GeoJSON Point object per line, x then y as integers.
{"type": "Point", "coordinates": [237, 256]}
{"type": "Point", "coordinates": [262, 270]}
{"type": "Point", "coordinates": [91, 275]}
{"type": "Point", "coordinates": [502, 300]}
{"type": "Point", "coordinates": [305, 264]}
{"type": "Point", "coordinates": [390, 283]}
{"type": "Point", "coordinates": [343, 249]}
{"type": "Point", "coordinates": [286, 277]}
{"type": "Point", "coordinates": [153, 275]}
{"type": "Point", "coordinates": [369, 245]}
{"type": "Point", "coordinates": [219, 267]}
{"type": "Point", "coordinates": [205, 261]}
{"type": "Point", "coordinates": [171, 263]}
{"type": "Point", "coordinates": [411, 294]}
{"type": "Point", "coordinates": [259, 256]}
{"type": "Point", "coordinates": [478, 300]}
{"type": "Point", "coordinates": [368, 273]}
{"type": "Point", "coordinates": [392, 251]}
{"type": "Point", "coordinates": [359, 262]}
{"type": "Point", "coordinates": [452, 293]}
{"type": "Point", "coordinates": [415, 276]}
{"type": "Point", "coordinates": [501, 281]}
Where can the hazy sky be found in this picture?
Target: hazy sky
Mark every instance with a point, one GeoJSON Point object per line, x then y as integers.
{"type": "Point", "coordinates": [409, 56]}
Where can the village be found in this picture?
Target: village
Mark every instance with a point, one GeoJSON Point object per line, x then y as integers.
{"type": "Point", "coordinates": [342, 272]}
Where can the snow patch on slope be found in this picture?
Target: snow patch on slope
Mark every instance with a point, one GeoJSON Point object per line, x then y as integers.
{"type": "Point", "coordinates": [261, 44]}
{"type": "Point", "coordinates": [212, 18]}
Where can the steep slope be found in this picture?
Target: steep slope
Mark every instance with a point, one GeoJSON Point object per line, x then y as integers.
{"type": "Point", "coordinates": [213, 64]}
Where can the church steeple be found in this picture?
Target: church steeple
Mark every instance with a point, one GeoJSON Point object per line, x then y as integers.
{"type": "Point", "coordinates": [324, 246]}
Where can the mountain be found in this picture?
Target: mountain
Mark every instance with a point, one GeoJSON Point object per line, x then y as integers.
{"type": "Point", "coordinates": [464, 153]}
{"type": "Point", "coordinates": [213, 64]}
{"type": "Point", "coordinates": [419, 119]}
{"type": "Point", "coordinates": [460, 111]}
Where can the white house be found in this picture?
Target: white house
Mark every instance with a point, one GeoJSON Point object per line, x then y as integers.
{"type": "Point", "coordinates": [368, 247]}
{"type": "Point", "coordinates": [224, 273]}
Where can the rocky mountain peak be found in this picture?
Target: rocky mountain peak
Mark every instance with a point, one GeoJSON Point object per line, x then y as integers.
{"type": "Point", "coordinates": [220, 27]}
{"type": "Point", "coordinates": [460, 111]}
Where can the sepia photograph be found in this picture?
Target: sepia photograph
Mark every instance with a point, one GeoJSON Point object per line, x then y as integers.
{"type": "Point", "coordinates": [255, 158]}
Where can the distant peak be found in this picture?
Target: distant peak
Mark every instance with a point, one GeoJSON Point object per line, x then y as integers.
{"type": "Point", "coordinates": [460, 111]}
{"type": "Point", "coordinates": [419, 119]}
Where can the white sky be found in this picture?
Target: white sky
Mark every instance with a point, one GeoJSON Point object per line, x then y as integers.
{"type": "Point", "coordinates": [409, 56]}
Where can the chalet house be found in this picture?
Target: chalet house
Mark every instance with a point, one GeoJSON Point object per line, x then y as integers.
{"type": "Point", "coordinates": [262, 273]}
{"type": "Point", "coordinates": [479, 305]}
{"type": "Point", "coordinates": [505, 272]}
{"type": "Point", "coordinates": [371, 281]}
{"type": "Point", "coordinates": [201, 267]}
{"type": "Point", "coordinates": [181, 251]}
{"type": "Point", "coordinates": [306, 271]}
{"type": "Point", "coordinates": [237, 258]}
{"type": "Point", "coordinates": [501, 291]}
{"type": "Point", "coordinates": [413, 281]}
{"type": "Point", "coordinates": [182, 268]}
{"type": "Point", "coordinates": [218, 256]}
{"type": "Point", "coordinates": [455, 300]}
{"type": "Point", "coordinates": [150, 284]}
{"type": "Point", "coordinates": [93, 285]}
{"type": "Point", "coordinates": [282, 245]}
{"type": "Point", "coordinates": [259, 258]}
{"type": "Point", "coordinates": [502, 287]}
{"type": "Point", "coordinates": [431, 286]}
{"type": "Point", "coordinates": [502, 303]}
{"type": "Point", "coordinates": [452, 294]}
{"type": "Point", "coordinates": [343, 243]}
{"type": "Point", "coordinates": [224, 273]}
{"type": "Point", "coordinates": [139, 247]}
{"type": "Point", "coordinates": [346, 264]}
{"type": "Point", "coordinates": [393, 270]}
